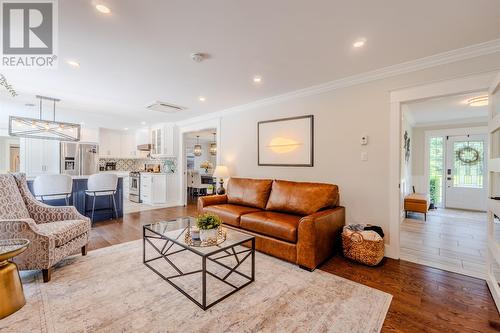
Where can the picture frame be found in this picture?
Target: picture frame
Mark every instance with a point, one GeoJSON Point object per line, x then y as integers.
{"type": "Point", "coordinates": [287, 142]}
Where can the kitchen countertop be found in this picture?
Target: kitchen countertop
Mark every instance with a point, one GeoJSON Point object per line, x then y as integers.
{"type": "Point", "coordinates": [79, 177]}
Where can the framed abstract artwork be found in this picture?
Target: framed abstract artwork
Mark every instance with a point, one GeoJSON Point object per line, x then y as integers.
{"type": "Point", "coordinates": [286, 142]}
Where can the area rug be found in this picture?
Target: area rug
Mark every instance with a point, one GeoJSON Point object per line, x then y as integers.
{"type": "Point", "coordinates": [111, 290]}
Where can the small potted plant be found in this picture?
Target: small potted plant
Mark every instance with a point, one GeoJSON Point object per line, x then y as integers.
{"type": "Point", "coordinates": [209, 225]}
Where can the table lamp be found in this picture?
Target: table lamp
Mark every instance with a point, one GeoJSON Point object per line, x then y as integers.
{"type": "Point", "coordinates": [221, 172]}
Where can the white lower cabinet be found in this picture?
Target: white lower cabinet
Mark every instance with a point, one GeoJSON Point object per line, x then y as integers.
{"type": "Point", "coordinates": [153, 188]}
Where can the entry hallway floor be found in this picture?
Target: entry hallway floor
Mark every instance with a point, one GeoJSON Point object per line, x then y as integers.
{"type": "Point", "coordinates": [452, 240]}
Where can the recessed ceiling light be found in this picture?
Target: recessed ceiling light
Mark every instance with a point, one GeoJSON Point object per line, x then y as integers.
{"type": "Point", "coordinates": [73, 63]}
{"type": "Point", "coordinates": [257, 79]}
{"type": "Point", "coordinates": [143, 123]}
{"type": "Point", "coordinates": [478, 101]}
{"type": "Point", "coordinates": [103, 9]}
{"type": "Point", "coordinates": [202, 99]}
{"type": "Point", "coordinates": [126, 129]}
{"type": "Point", "coordinates": [359, 42]}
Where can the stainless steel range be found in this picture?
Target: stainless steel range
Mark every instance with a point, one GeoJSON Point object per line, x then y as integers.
{"type": "Point", "coordinates": [135, 187]}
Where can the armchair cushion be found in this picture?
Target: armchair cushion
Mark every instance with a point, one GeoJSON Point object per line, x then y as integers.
{"type": "Point", "coordinates": [64, 231]}
{"type": "Point", "coordinates": [11, 202]}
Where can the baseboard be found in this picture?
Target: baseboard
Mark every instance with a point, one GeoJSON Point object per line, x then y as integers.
{"type": "Point", "coordinates": [391, 252]}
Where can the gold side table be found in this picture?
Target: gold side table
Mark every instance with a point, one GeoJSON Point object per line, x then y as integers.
{"type": "Point", "coordinates": [11, 288]}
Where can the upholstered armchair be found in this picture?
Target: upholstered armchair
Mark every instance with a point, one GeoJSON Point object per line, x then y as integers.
{"type": "Point", "coordinates": [54, 232]}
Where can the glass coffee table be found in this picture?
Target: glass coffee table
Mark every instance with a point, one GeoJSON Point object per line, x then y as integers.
{"type": "Point", "coordinates": [171, 254]}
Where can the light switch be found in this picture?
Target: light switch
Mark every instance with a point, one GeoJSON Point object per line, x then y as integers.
{"type": "Point", "coordinates": [364, 156]}
{"type": "Point", "coordinates": [364, 140]}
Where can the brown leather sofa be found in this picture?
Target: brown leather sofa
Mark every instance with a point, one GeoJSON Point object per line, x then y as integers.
{"type": "Point", "coordinates": [295, 221]}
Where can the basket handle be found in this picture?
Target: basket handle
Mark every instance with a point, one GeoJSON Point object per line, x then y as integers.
{"type": "Point", "coordinates": [357, 237]}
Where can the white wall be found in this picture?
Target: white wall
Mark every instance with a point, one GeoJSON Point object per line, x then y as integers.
{"type": "Point", "coordinates": [406, 166]}
{"type": "Point", "coordinates": [341, 117]}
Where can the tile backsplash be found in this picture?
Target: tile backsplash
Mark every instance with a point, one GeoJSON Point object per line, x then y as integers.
{"type": "Point", "coordinates": [168, 165]}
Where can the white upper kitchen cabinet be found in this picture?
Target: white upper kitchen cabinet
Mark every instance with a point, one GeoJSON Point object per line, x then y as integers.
{"type": "Point", "coordinates": [39, 157]}
{"type": "Point", "coordinates": [128, 147]}
{"type": "Point", "coordinates": [118, 144]}
{"type": "Point", "coordinates": [89, 135]}
{"type": "Point", "coordinates": [163, 140]}
{"type": "Point", "coordinates": [109, 143]}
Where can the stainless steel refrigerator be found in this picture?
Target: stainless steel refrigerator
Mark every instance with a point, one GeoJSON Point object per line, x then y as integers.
{"type": "Point", "coordinates": [79, 159]}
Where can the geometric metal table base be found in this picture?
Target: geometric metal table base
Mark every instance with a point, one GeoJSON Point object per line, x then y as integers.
{"type": "Point", "coordinates": [165, 250]}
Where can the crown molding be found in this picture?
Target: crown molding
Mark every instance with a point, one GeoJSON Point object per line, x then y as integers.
{"type": "Point", "coordinates": [468, 52]}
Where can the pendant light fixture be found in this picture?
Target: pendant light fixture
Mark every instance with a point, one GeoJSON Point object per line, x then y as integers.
{"type": "Point", "coordinates": [197, 151]}
{"type": "Point", "coordinates": [213, 147]}
{"type": "Point", "coordinates": [44, 129]}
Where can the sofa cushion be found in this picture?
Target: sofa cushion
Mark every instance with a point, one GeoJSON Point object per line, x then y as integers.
{"type": "Point", "coordinates": [64, 231]}
{"type": "Point", "coordinates": [272, 224]}
{"type": "Point", "coordinates": [12, 205]}
{"type": "Point", "coordinates": [230, 214]}
{"type": "Point", "coordinates": [301, 198]}
{"type": "Point", "coordinates": [249, 192]}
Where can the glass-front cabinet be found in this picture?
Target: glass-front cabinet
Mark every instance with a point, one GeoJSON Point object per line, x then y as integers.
{"type": "Point", "coordinates": [164, 140]}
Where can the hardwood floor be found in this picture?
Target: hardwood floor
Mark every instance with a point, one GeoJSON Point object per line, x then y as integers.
{"type": "Point", "coordinates": [424, 299]}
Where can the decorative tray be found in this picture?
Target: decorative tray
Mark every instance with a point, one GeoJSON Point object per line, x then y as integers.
{"type": "Point", "coordinates": [189, 240]}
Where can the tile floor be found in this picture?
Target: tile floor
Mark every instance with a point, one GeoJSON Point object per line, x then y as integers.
{"type": "Point", "coordinates": [452, 240]}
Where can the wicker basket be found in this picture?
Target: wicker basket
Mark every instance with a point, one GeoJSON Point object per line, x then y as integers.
{"type": "Point", "coordinates": [357, 248]}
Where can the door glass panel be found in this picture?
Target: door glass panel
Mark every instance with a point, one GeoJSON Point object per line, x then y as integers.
{"type": "Point", "coordinates": [468, 164]}
{"type": "Point", "coordinates": [436, 162]}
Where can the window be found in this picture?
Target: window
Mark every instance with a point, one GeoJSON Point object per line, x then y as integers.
{"type": "Point", "coordinates": [436, 162]}
{"type": "Point", "coordinates": [468, 164]}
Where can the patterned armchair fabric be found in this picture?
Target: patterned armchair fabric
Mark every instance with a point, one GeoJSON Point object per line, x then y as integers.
{"type": "Point", "coordinates": [54, 232]}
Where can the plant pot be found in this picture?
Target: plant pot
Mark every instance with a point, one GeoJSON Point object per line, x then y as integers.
{"type": "Point", "coordinates": [208, 234]}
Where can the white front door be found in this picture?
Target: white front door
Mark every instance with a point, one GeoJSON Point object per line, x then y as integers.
{"type": "Point", "coordinates": [466, 178]}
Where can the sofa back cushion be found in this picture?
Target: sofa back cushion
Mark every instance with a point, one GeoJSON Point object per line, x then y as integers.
{"type": "Point", "coordinates": [11, 202]}
{"type": "Point", "coordinates": [301, 198]}
{"type": "Point", "coordinates": [249, 192]}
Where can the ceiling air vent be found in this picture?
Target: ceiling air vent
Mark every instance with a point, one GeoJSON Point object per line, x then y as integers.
{"type": "Point", "coordinates": [164, 107]}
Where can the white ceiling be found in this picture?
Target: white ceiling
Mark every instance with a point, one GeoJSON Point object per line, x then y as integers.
{"type": "Point", "coordinates": [140, 53]}
{"type": "Point", "coordinates": [446, 110]}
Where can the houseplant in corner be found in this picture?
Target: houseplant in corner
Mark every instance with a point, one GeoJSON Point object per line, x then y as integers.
{"type": "Point", "coordinates": [209, 226]}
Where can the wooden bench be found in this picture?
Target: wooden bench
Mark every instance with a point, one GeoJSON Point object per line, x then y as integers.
{"type": "Point", "coordinates": [418, 203]}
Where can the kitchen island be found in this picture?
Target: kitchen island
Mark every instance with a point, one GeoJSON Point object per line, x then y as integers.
{"type": "Point", "coordinates": [82, 202]}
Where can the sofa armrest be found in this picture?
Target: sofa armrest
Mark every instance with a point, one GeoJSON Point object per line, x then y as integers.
{"type": "Point", "coordinates": [319, 235]}
{"type": "Point", "coordinates": [40, 252]}
{"type": "Point", "coordinates": [211, 200]}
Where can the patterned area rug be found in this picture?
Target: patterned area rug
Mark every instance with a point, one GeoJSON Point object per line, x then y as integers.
{"type": "Point", "coordinates": [111, 290]}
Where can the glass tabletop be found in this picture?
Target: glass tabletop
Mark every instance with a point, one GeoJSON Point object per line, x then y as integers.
{"type": "Point", "coordinates": [11, 245]}
{"type": "Point", "coordinates": [175, 231]}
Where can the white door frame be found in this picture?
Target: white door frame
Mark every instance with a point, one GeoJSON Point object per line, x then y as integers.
{"type": "Point", "coordinates": [194, 127]}
{"type": "Point", "coordinates": [472, 83]}
{"type": "Point", "coordinates": [443, 133]}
